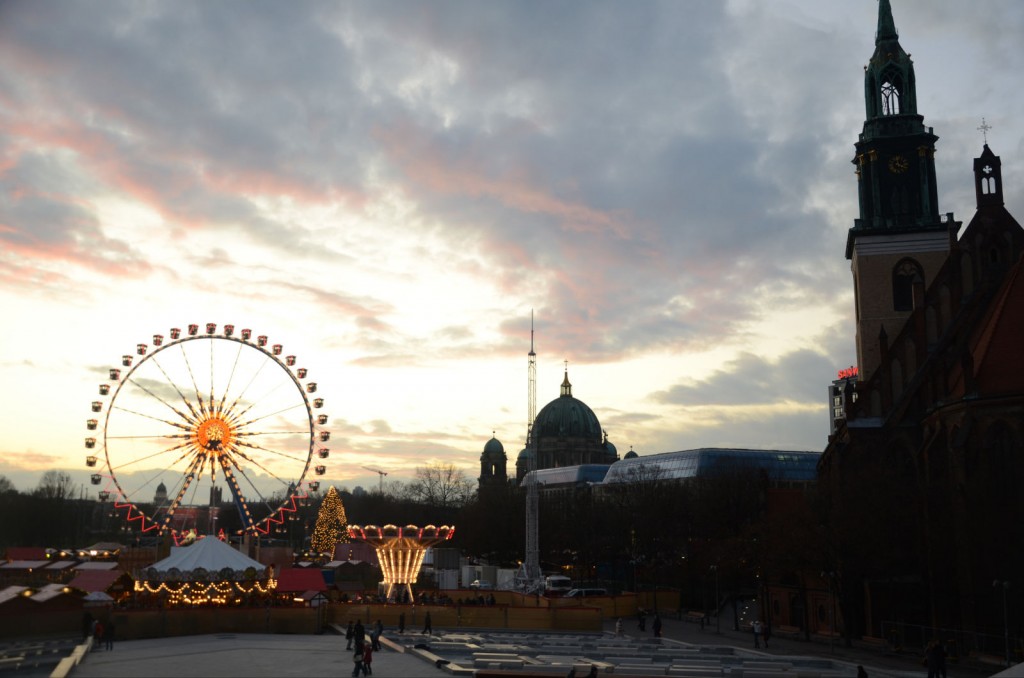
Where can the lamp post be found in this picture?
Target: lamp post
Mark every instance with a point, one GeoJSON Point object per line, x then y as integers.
{"type": "Point", "coordinates": [718, 621]}
{"type": "Point", "coordinates": [1006, 625]}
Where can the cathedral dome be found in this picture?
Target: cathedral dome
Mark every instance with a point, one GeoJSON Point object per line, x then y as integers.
{"type": "Point", "coordinates": [631, 455]}
{"type": "Point", "coordinates": [494, 447]}
{"type": "Point", "coordinates": [524, 455]}
{"type": "Point", "coordinates": [567, 416]}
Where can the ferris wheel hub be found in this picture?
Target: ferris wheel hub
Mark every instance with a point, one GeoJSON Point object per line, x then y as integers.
{"type": "Point", "coordinates": [214, 434]}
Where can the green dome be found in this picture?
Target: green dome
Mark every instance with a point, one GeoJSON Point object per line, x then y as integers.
{"type": "Point", "coordinates": [494, 447]}
{"type": "Point", "coordinates": [567, 416]}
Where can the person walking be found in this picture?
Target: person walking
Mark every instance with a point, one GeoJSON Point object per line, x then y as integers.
{"type": "Point", "coordinates": [357, 661]}
{"type": "Point", "coordinates": [657, 626]}
{"type": "Point", "coordinates": [378, 630]}
{"type": "Point", "coordinates": [756, 628]}
{"type": "Point", "coordinates": [618, 627]}
{"type": "Point", "coordinates": [368, 660]}
{"type": "Point", "coordinates": [427, 629]}
{"type": "Point", "coordinates": [349, 635]}
{"type": "Point", "coordinates": [108, 635]}
{"type": "Point", "coordinates": [97, 633]}
{"type": "Point", "coordinates": [359, 634]}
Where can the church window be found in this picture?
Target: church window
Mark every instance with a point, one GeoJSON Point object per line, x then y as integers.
{"type": "Point", "coordinates": [890, 98]}
{"type": "Point", "coordinates": [905, 275]}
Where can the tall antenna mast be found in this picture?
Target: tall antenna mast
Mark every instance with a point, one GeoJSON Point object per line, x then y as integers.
{"type": "Point", "coordinates": [531, 578]}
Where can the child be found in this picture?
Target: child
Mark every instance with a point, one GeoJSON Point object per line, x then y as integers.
{"type": "Point", "coordinates": [367, 660]}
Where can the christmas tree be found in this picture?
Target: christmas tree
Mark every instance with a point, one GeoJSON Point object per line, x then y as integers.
{"type": "Point", "coordinates": [331, 524]}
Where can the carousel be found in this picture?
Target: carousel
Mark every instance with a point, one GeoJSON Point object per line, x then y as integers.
{"type": "Point", "coordinates": [400, 550]}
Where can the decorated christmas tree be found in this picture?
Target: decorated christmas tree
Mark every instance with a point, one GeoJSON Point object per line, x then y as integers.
{"type": "Point", "coordinates": [331, 524]}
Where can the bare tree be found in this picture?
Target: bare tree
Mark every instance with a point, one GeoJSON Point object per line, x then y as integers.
{"type": "Point", "coordinates": [442, 485]}
{"type": "Point", "coordinates": [54, 485]}
{"type": "Point", "coordinates": [6, 485]}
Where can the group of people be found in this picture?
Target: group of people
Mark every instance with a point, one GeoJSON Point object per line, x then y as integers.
{"type": "Point", "coordinates": [356, 635]}
{"type": "Point", "coordinates": [102, 632]}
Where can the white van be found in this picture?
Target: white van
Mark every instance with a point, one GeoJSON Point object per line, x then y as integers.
{"type": "Point", "coordinates": [557, 584]}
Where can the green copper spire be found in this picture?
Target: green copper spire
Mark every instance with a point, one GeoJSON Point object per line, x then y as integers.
{"type": "Point", "coordinates": [886, 26]}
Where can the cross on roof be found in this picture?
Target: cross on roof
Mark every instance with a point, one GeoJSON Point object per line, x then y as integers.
{"type": "Point", "coordinates": [984, 128]}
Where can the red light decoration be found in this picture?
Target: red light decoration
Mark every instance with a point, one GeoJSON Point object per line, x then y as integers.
{"type": "Point", "coordinates": [849, 373]}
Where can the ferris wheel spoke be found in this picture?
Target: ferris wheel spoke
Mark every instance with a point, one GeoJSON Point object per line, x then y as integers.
{"type": "Point", "coordinates": [199, 395]}
{"type": "Point", "coordinates": [249, 434]}
{"type": "Point", "coordinates": [187, 444]}
{"type": "Point", "coordinates": [231, 378]}
{"type": "Point", "coordinates": [174, 385]}
{"type": "Point", "coordinates": [148, 416]}
{"type": "Point", "coordinates": [252, 446]}
{"type": "Point", "coordinates": [230, 412]}
{"type": "Point", "coordinates": [272, 414]}
{"type": "Point", "coordinates": [248, 458]}
{"type": "Point", "coordinates": [188, 477]}
{"type": "Point", "coordinates": [178, 412]}
{"type": "Point", "coordinates": [244, 505]}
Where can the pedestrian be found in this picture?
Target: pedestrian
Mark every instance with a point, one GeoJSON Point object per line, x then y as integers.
{"type": "Point", "coordinates": [368, 660]}
{"type": "Point", "coordinates": [861, 673]}
{"type": "Point", "coordinates": [618, 627]}
{"type": "Point", "coordinates": [97, 633]}
{"type": "Point", "coordinates": [357, 661]}
{"type": "Point", "coordinates": [427, 629]}
{"type": "Point", "coordinates": [378, 631]}
{"type": "Point", "coordinates": [401, 623]}
{"type": "Point", "coordinates": [641, 620]}
{"type": "Point", "coordinates": [657, 626]}
{"type": "Point", "coordinates": [359, 634]}
{"type": "Point", "coordinates": [935, 658]}
{"type": "Point", "coordinates": [756, 628]}
{"type": "Point", "coordinates": [349, 635]}
{"type": "Point", "coordinates": [108, 635]}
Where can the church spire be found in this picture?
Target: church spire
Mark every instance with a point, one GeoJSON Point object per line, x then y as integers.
{"type": "Point", "coordinates": [566, 386]}
{"type": "Point", "coordinates": [886, 26]}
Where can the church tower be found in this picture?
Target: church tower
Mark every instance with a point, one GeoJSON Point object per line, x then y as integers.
{"type": "Point", "coordinates": [900, 240]}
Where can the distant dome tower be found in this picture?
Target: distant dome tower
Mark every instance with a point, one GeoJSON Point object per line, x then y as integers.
{"type": "Point", "coordinates": [566, 432]}
{"type": "Point", "coordinates": [160, 497]}
{"type": "Point", "coordinates": [493, 465]}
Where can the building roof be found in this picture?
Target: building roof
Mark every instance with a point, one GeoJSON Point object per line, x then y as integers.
{"type": "Point", "coordinates": [96, 565]}
{"type": "Point", "coordinates": [11, 592]}
{"type": "Point", "coordinates": [564, 475]}
{"type": "Point", "coordinates": [293, 579]}
{"type": "Point", "coordinates": [26, 553]}
{"type": "Point", "coordinates": [95, 580]}
{"type": "Point", "coordinates": [780, 465]}
{"type": "Point", "coordinates": [24, 565]}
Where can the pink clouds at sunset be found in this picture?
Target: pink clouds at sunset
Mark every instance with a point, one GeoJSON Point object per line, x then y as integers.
{"type": "Point", "coordinates": [391, 190]}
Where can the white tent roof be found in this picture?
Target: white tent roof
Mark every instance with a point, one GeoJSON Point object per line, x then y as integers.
{"type": "Point", "coordinates": [208, 553]}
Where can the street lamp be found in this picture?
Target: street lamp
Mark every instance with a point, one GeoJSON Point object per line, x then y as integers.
{"type": "Point", "coordinates": [1006, 626]}
{"type": "Point", "coordinates": [718, 620]}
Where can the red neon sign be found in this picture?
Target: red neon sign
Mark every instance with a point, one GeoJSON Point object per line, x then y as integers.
{"type": "Point", "coordinates": [848, 373]}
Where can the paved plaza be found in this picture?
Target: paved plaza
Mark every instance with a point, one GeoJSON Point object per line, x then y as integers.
{"type": "Point", "coordinates": [684, 650]}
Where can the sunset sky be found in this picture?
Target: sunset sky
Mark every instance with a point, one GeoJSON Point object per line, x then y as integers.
{"type": "Point", "coordinates": [388, 189]}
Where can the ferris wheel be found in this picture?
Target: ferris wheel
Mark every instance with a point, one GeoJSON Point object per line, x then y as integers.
{"type": "Point", "coordinates": [199, 411]}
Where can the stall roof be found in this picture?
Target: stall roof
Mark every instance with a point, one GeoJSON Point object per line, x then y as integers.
{"type": "Point", "coordinates": [95, 580]}
{"type": "Point", "coordinates": [61, 564]}
{"type": "Point", "coordinates": [24, 565]}
{"type": "Point", "coordinates": [96, 565]}
{"type": "Point", "coordinates": [47, 592]}
{"type": "Point", "coordinates": [294, 579]}
{"type": "Point", "coordinates": [11, 592]}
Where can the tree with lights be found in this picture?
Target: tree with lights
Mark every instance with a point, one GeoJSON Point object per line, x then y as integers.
{"type": "Point", "coordinates": [331, 524]}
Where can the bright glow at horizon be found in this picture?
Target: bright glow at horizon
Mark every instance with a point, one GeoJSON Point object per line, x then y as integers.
{"type": "Point", "coordinates": [388, 193]}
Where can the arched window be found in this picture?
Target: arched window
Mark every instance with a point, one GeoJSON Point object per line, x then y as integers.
{"type": "Point", "coordinates": [890, 98]}
{"type": "Point", "coordinates": [906, 274]}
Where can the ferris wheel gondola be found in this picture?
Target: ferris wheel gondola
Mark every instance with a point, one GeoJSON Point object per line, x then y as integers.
{"type": "Point", "coordinates": [196, 411]}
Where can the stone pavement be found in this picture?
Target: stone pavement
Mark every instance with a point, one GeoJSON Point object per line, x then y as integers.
{"type": "Point", "coordinates": [325, 655]}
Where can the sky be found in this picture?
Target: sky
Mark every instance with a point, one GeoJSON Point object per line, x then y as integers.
{"type": "Point", "coordinates": [392, 190]}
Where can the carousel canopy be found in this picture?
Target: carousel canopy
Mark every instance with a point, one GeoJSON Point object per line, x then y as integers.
{"type": "Point", "coordinates": [209, 554]}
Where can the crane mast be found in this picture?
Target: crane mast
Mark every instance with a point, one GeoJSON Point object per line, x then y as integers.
{"type": "Point", "coordinates": [531, 576]}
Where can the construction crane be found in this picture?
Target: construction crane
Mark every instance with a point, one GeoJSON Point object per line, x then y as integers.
{"type": "Point", "coordinates": [380, 473]}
